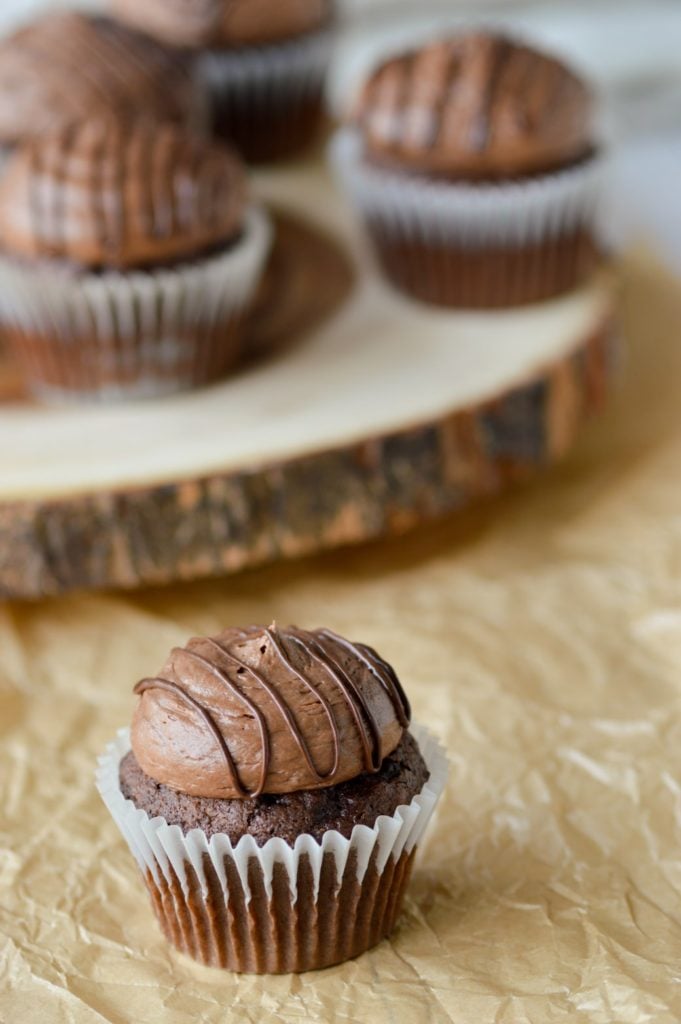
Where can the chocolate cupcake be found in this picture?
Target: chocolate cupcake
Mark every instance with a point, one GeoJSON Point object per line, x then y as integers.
{"type": "Point", "coordinates": [66, 68]}
{"type": "Point", "coordinates": [130, 253]}
{"type": "Point", "coordinates": [475, 165]}
{"type": "Point", "coordinates": [273, 796]}
{"type": "Point", "coordinates": [262, 62]}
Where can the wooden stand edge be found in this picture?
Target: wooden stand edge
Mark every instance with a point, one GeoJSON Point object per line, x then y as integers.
{"type": "Point", "coordinates": [381, 486]}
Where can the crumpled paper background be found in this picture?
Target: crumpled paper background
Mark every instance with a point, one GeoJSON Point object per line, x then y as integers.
{"type": "Point", "coordinates": [540, 636]}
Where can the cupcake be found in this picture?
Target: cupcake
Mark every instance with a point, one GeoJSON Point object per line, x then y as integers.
{"type": "Point", "coordinates": [273, 795]}
{"type": "Point", "coordinates": [65, 68]}
{"type": "Point", "coordinates": [475, 165]}
{"type": "Point", "coordinates": [130, 253]}
{"type": "Point", "coordinates": [262, 62]}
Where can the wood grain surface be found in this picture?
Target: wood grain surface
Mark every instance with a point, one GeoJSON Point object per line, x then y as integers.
{"type": "Point", "coordinates": [357, 415]}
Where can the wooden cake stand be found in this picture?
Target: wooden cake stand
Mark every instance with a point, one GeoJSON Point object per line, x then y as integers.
{"type": "Point", "coordinates": [365, 415]}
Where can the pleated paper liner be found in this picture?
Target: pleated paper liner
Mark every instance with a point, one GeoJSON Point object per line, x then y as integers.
{"type": "Point", "coordinates": [117, 335]}
{"type": "Point", "coordinates": [275, 908]}
{"type": "Point", "coordinates": [307, 278]}
{"type": "Point", "coordinates": [268, 101]}
{"type": "Point", "coordinates": [476, 246]}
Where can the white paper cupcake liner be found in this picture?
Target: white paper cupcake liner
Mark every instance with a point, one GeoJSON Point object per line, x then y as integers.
{"type": "Point", "coordinates": [268, 100]}
{"type": "Point", "coordinates": [184, 871]}
{"type": "Point", "coordinates": [512, 214]}
{"type": "Point", "coordinates": [158, 846]}
{"type": "Point", "coordinates": [136, 334]}
{"type": "Point", "coordinates": [295, 66]}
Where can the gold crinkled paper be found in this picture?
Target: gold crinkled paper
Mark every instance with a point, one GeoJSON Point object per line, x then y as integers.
{"type": "Point", "coordinates": [540, 636]}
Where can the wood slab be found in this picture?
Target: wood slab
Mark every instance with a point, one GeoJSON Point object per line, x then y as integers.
{"type": "Point", "coordinates": [363, 424]}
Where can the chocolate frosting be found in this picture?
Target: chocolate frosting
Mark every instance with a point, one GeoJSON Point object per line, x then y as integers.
{"type": "Point", "coordinates": [227, 23]}
{"type": "Point", "coordinates": [475, 106]}
{"type": "Point", "coordinates": [267, 710]}
{"type": "Point", "coordinates": [67, 67]}
{"type": "Point", "coordinates": [105, 194]}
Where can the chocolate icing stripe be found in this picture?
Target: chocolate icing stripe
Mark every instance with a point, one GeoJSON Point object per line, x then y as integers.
{"type": "Point", "coordinates": [118, 209]}
{"type": "Point", "coordinates": [353, 697]}
{"type": "Point", "coordinates": [297, 735]}
{"type": "Point", "coordinates": [190, 211]}
{"type": "Point", "coordinates": [381, 670]}
{"type": "Point", "coordinates": [500, 55]}
{"type": "Point", "coordinates": [104, 194]}
{"type": "Point", "coordinates": [147, 152]}
{"type": "Point", "coordinates": [476, 105]}
{"type": "Point", "coordinates": [251, 705]}
{"type": "Point", "coordinates": [171, 687]}
{"type": "Point", "coordinates": [403, 95]}
{"type": "Point", "coordinates": [517, 80]}
{"type": "Point", "coordinates": [164, 208]}
{"type": "Point", "coordinates": [98, 189]}
{"type": "Point", "coordinates": [299, 680]}
{"type": "Point", "coordinates": [115, 52]}
{"type": "Point", "coordinates": [54, 52]}
{"type": "Point", "coordinates": [557, 86]}
{"type": "Point", "coordinates": [119, 52]}
{"type": "Point", "coordinates": [285, 710]}
{"type": "Point", "coordinates": [110, 52]}
{"type": "Point", "coordinates": [34, 197]}
{"type": "Point", "coordinates": [68, 67]}
{"type": "Point", "coordinates": [370, 747]}
{"type": "Point", "coordinates": [440, 105]}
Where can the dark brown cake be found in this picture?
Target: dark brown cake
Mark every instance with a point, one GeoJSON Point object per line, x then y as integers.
{"type": "Point", "coordinates": [495, 277]}
{"type": "Point", "coordinates": [358, 801]}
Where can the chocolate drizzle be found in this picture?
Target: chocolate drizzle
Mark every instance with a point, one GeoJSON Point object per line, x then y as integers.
{"type": "Point", "coordinates": [499, 54]}
{"type": "Point", "coordinates": [476, 105]}
{"type": "Point", "coordinates": [105, 194]}
{"type": "Point", "coordinates": [171, 687]}
{"type": "Point", "coordinates": [65, 67]}
{"type": "Point", "coordinates": [322, 649]}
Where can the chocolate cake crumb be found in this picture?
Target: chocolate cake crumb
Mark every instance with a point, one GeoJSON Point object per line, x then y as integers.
{"type": "Point", "coordinates": [358, 801]}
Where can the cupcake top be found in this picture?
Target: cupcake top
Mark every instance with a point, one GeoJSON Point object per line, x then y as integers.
{"type": "Point", "coordinates": [267, 710]}
{"type": "Point", "coordinates": [225, 23]}
{"type": "Point", "coordinates": [476, 106]}
{"type": "Point", "coordinates": [105, 194]}
{"type": "Point", "coordinates": [67, 67]}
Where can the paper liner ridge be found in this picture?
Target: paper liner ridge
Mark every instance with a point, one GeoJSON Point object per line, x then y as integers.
{"type": "Point", "coordinates": [156, 844]}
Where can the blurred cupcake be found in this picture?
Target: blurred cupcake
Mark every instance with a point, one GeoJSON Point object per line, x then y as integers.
{"type": "Point", "coordinates": [263, 63]}
{"type": "Point", "coordinates": [475, 164]}
{"type": "Point", "coordinates": [65, 68]}
{"type": "Point", "coordinates": [273, 797]}
{"type": "Point", "coordinates": [129, 256]}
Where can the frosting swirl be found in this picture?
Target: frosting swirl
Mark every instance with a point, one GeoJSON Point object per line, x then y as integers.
{"type": "Point", "coordinates": [106, 194]}
{"type": "Point", "coordinates": [67, 67]}
{"type": "Point", "coordinates": [226, 23]}
{"type": "Point", "coordinates": [267, 710]}
{"type": "Point", "coordinates": [475, 106]}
